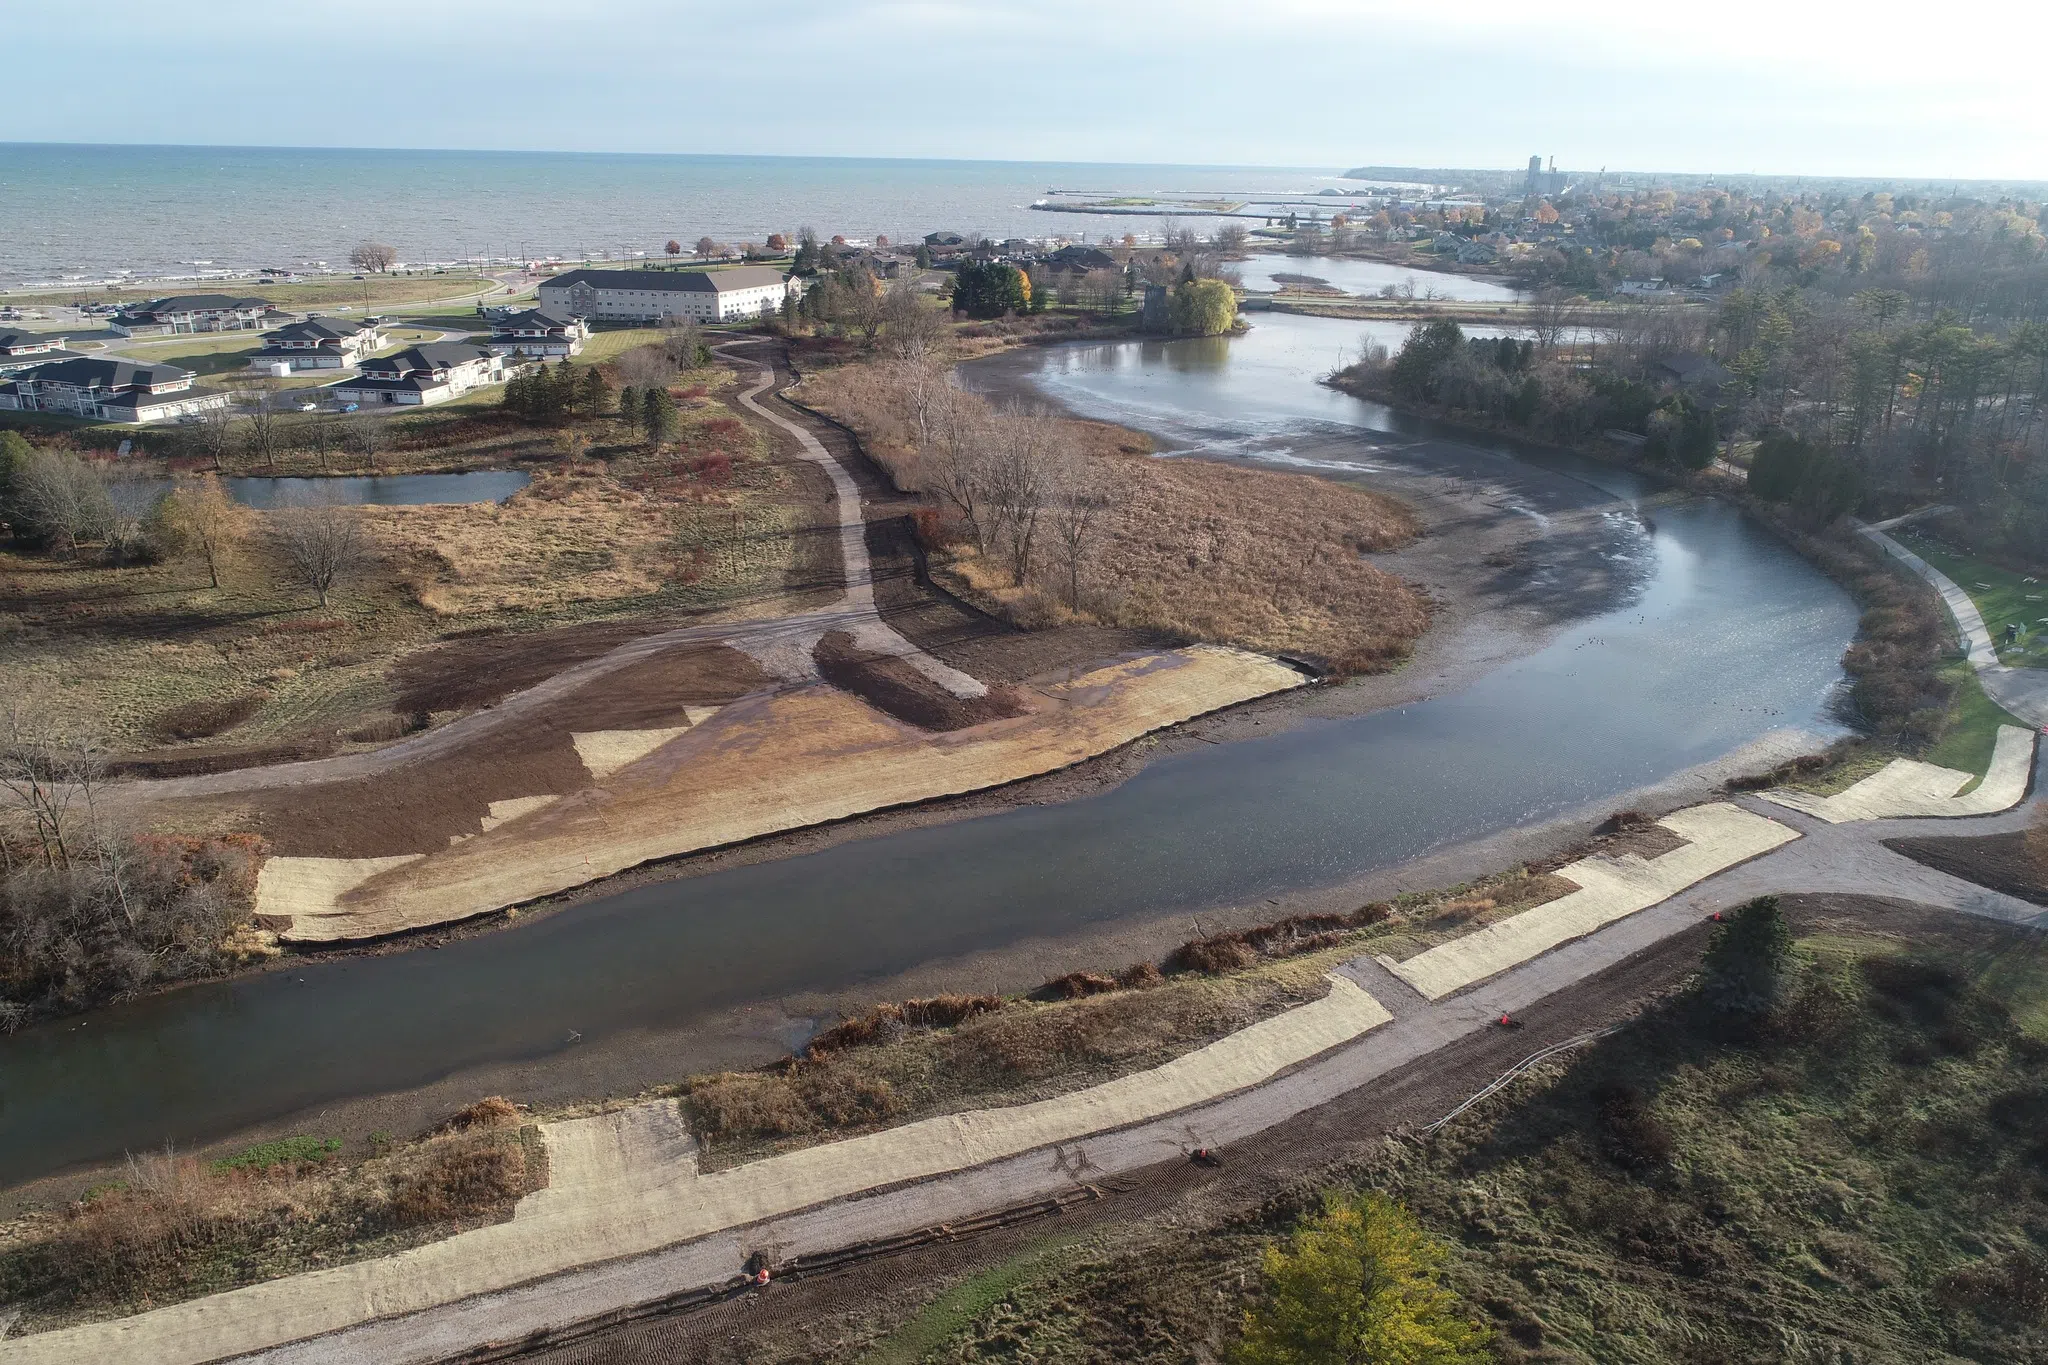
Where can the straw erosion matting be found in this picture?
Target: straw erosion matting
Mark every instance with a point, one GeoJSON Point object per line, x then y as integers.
{"type": "Point", "coordinates": [761, 765]}
{"type": "Point", "coordinates": [626, 1183]}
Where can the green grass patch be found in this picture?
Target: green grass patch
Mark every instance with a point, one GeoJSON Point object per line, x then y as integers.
{"type": "Point", "coordinates": [288, 1151]}
{"type": "Point", "coordinates": [1973, 724]}
{"type": "Point", "coordinates": [965, 1303]}
{"type": "Point", "coordinates": [2002, 598]}
{"type": "Point", "coordinates": [608, 345]}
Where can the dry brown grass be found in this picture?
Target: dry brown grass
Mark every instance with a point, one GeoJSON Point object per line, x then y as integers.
{"type": "Point", "coordinates": [1267, 560]}
{"type": "Point", "coordinates": [176, 1228]}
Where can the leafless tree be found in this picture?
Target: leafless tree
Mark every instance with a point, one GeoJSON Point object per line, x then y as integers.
{"type": "Point", "coordinates": [1016, 483]}
{"type": "Point", "coordinates": [322, 543]}
{"type": "Point", "coordinates": [919, 376]}
{"type": "Point", "coordinates": [367, 436]}
{"type": "Point", "coordinates": [264, 433]}
{"type": "Point", "coordinates": [1550, 316]}
{"type": "Point", "coordinates": [63, 499]}
{"type": "Point", "coordinates": [914, 326]}
{"type": "Point", "coordinates": [373, 256]}
{"type": "Point", "coordinates": [953, 459]}
{"type": "Point", "coordinates": [646, 367]}
{"type": "Point", "coordinates": [51, 785]}
{"type": "Point", "coordinates": [1078, 498]}
{"type": "Point", "coordinates": [213, 434]}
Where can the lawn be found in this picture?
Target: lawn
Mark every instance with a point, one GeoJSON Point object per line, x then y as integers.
{"type": "Point", "coordinates": [2003, 598]}
{"type": "Point", "coordinates": [610, 345]}
{"type": "Point", "coordinates": [304, 295]}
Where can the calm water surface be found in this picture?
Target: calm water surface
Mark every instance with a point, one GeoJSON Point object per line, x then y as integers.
{"type": "Point", "coordinates": [1373, 277]}
{"type": "Point", "coordinates": [1719, 635]}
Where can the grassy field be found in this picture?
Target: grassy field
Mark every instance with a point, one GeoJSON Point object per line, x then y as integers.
{"type": "Point", "coordinates": [1858, 1177]}
{"type": "Point", "coordinates": [2002, 597]}
{"type": "Point", "coordinates": [113, 649]}
{"type": "Point", "coordinates": [301, 296]}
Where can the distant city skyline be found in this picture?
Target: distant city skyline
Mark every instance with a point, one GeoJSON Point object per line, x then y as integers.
{"type": "Point", "coordinates": [1752, 88]}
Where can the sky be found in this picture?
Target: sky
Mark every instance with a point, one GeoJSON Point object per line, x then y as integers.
{"type": "Point", "coordinates": [1767, 86]}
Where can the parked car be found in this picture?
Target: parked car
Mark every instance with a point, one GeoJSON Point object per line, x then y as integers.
{"type": "Point", "coordinates": [350, 407]}
{"type": "Point", "coordinates": [309, 407]}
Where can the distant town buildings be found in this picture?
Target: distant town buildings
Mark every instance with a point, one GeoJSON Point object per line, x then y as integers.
{"type": "Point", "coordinates": [421, 376]}
{"type": "Point", "coordinates": [318, 343]}
{"type": "Point", "coordinates": [193, 313]}
{"type": "Point", "coordinates": [108, 391]}
{"type": "Point", "coordinates": [654, 295]}
{"type": "Point", "coordinates": [539, 334]}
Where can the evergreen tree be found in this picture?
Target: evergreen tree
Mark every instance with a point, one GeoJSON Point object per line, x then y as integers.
{"type": "Point", "coordinates": [1359, 1284]}
{"type": "Point", "coordinates": [924, 257]}
{"type": "Point", "coordinates": [658, 416]}
{"type": "Point", "coordinates": [594, 396]}
{"type": "Point", "coordinates": [519, 395]}
{"type": "Point", "coordinates": [629, 404]}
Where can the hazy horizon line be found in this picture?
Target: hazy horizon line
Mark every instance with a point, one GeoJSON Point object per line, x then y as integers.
{"type": "Point", "coordinates": [1822, 176]}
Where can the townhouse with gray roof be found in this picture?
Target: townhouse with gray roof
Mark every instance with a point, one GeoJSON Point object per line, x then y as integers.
{"type": "Point", "coordinates": [193, 313]}
{"type": "Point", "coordinates": [318, 343]}
{"type": "Point", "coordinates": [109, 391]}
{"type": "Point", "coordinates": [422, 375]}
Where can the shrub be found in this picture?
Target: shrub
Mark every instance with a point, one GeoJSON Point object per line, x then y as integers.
{"type": "Point", "coordinates": [457, 1180]}
{"type": "Point", "coordinates": [206, 718]}
{"type": "Point", "coordinates": [290, 1151]}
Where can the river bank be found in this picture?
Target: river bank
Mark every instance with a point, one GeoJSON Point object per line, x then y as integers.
{"type": "Point", "coordinates": [631, 989]}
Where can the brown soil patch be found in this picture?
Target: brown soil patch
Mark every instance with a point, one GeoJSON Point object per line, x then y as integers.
{"type": "Point", "coordinates": [2010, 863]}
{"type": "Point", "coordinates": [419, 806]}
{"type": "Point", "coordinates": [897, 688]}
{"type": "Point", "coordinates": [465, 673]}
{"type": "Point", "coordinates": [198, 761]}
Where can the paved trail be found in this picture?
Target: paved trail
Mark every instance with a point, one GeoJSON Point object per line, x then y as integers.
{"type": "Point", "coordinates": [2021, 691]}
{"type": "Point", "coordinates": [1838, 859]}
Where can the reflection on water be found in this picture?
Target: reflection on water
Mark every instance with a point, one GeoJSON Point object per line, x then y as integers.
{"type": "Point", "coordinates": [1720, 634]}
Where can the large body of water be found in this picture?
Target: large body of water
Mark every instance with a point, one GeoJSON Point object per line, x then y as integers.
{"type": "Point", "coordinates": [89, 211]}
{"type": "Point", "coordinates": [1718, 634]}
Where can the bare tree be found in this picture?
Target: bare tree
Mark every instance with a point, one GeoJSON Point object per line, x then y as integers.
{"type": "Point", "coordinates": [50, 783]}
{"type": "Point", "coordinates": [1016, 483]}
{"type": "Point", "coordinates": [367, 436]}
{"type": "Point", "coordinates": [264, 433]}
{"type": "Point", "coordinates": [211, 520]}
{"type": "Point", "coordinates": [707, 248]}
{"type": "Point", "coordinates": [952, 462]}
{"type": "Point", "coordinates": [1079, 496]}
{"type": "Point", "coordinates": [1550, 315]}
{"type": "Point", "coordinates": [63, 500]}
{"type": "Point", "coordinates": [322, 544]}
{"type": "Point", "coordinates": [646, 367]}
{"type": "Point", "coordinates": [915, 327]}
{"type": "Point", "coordinates": [682, 341]}
{"type": "Point", "coordinates": [213, 435]}
{"type": "Point", "coordinates": [373, 256]}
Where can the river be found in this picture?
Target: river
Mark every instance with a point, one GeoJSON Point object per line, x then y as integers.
{"type": "Point", "coordinates": [1714, 634]}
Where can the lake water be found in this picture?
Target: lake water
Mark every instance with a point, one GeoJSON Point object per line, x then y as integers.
{"type": "Point", "coordinates": [380, 490]}
{"type": "Point", "coordinates": [1372, 278]}
{"type": "Point", "coordinates": [1716, 634]}
{"type": "Point", "coordinates": [89, 211]}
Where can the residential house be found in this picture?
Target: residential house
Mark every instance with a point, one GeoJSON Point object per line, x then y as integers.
{"type": "Point", "coordinates": [1693, 372]}
{"type": "Point", "coordinates": [654, 295]}
{"type": "Point", "coordinates": [1081, 259]}
{"type": "Point", "coordinates": [420, 376]}
{"type": "Point", "coordinates": [193, 313]}
{"type": "Point", "coordinates": [319, 343]}
{"type": "Point", "coordinates": [109, 391]}
{"type": "Point", "coordinates": [1642, 288]}
{"type": "Point", "coordinates": [538, 333]}
{"type": "Point", "coordinates": [26, 350]}
{"type": "Point", "coordinates": [1466, 250]}
{"type": "Point", "coordinates": [944, 241]}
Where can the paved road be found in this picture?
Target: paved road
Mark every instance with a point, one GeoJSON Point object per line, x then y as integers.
{"type": "Point", "coordinates": [1840, 859]}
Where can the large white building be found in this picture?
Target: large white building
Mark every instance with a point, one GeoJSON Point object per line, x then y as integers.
{"type": "Point", "coordinates": [652, 295]}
